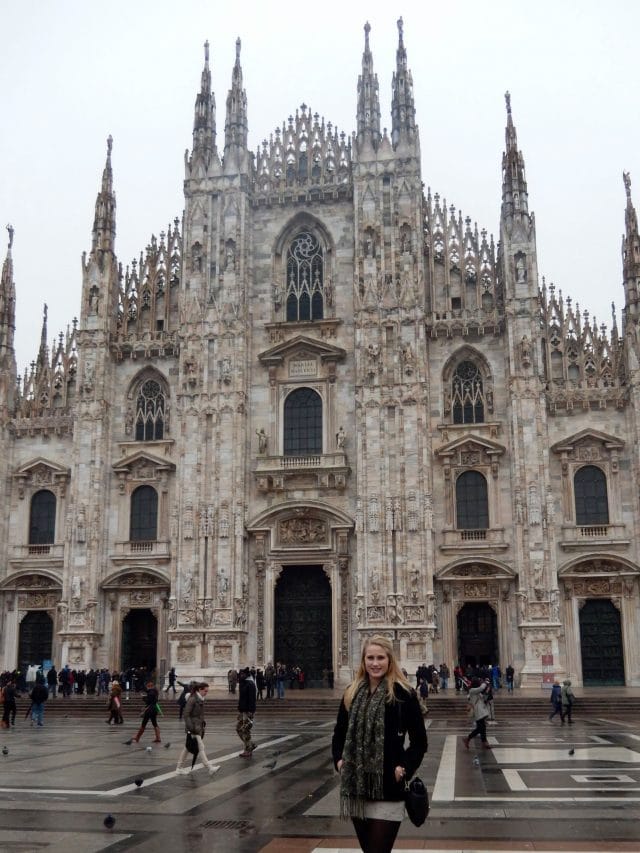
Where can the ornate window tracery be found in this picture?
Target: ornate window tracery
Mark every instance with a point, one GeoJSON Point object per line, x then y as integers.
{"type": "Point", "coordinates": [305, 279]}
{"type": "Point", "coordinates": [590, 488]}
{"type": "Point", "coordinates": [150, 412]}
{"type": "Point", "coordinates": [144, 515]}
{"type": "Point", "coordinates": [472, 502]}
{"type": "Point", "coordinates": [42, 518]}
{"type": "Point", "coordinates": [467, 394]}
{"type": "Point", "coordinates": [302, 423]}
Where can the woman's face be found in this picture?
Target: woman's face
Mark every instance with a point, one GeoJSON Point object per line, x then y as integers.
{"type": "Point", "coordinates": [376, 662]}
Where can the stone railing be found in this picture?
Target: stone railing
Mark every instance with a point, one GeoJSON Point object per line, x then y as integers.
{"type": "Point", "coordinates": [593, 535]}
{"type": "Point", "coordinates": [490, 539]}
{"type": "Point", "coordinates": [317, 471]}
{"type": "Point", "coordinates": [158, 550]}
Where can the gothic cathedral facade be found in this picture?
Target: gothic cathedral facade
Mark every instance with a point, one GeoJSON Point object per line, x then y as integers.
{"type": "Point", "coordinates": [319, 407]}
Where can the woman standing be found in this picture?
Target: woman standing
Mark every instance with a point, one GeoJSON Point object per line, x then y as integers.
{"type": "Point", "coordinates": [378, 710]}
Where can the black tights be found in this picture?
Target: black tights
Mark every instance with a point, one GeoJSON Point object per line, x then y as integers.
{"type": "Point", "coordinates": [376, 836]}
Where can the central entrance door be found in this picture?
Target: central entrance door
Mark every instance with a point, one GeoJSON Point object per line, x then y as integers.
{"type": "Point", "coordinates": [477, 635]}
{"type": "Point", "coordinates": [36, 638]}
{"type": "Point", "coordinates": [139, 640]}
{"type": "Point", "coordinates": [601, 643]}
{"type": "Point", "coordinates": [303, 621]}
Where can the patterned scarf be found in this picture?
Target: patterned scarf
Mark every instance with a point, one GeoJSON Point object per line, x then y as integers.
{"type": "Point", "coordinates": [363, 752]}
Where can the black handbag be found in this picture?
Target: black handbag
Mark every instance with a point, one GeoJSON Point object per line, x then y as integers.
{"type": "Point", "coordinates": [416, 801]}
{"type": "Point", "coordinates": [191, 744]}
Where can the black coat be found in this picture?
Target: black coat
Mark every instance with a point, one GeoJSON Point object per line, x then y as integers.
{"type": "Point", "coordinates": [247, 697]}
{"type": "Point", "coordinates": [401, 718]}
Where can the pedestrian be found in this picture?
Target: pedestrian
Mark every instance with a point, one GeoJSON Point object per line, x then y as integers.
{"type": "Point", "coordinates": [115, 705]}
{"type": "Point", "coordinates": [52, 682]}
{"type": "Point", "coordinates": [232, 678]}
{"type": "Point", "coordinates": [149, 714]}
{"type": "Point", "coordinates": [38, 696]}
{"type": "Point", "coordinates": [378, 709]}
{"type": "Point", "coordinates": [260, 684]}
{"type": "Point", "coordinates": [556, 700]}
{"type": "Point", "coordinates": [194, 725]}
{"type": "Point", "coordinates": [444, 676]}
{"type": "Point", "coordinates": [509, 675]}
{"type": "Point", "coordinates": [281, 677]}
{"type": "Point", "coordinates": [172, 682]}
{"type": "Point", "coordinates": [479, 711]}
{"type": "Point", "coordinates": [270, 679]}
{"type": "Point", "coordinates": [9, 693]}
{"type": "Point", "coordinates": [566, 697]}
{"type": "Point", "coordinates": [246, 710]}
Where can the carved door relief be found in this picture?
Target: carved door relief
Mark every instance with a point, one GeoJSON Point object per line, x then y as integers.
{"type": "Point", "coordinates": [601, 643]}
{"type": "Point", "coordinates": [302, 621]}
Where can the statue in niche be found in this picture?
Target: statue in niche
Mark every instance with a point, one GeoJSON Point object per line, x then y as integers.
{"type": "Point", "coordinates": [277, 295]}
{"type": "Point", "coordinates": [94, 300]}
{"type": "Point", "coordinates": [81, 534]}
{"type": "Point", "coordinates": [369, 245]}
{"type": "Point", "coordinates": [535, 513]}
{"type": "Point", "coordinates": [230, 257]}
{"type": "Point", "coordinates": [554, 605]}
{"type": "Point", "coordinates": [431, 607]}
{"type": "Point", "coordinates": [172, 614]}
{"type": "Point", "coordinates": [263, 440]}
{"type": "Point", "coordinates": [76, 590]}
{"type": "Point", "coordinates": [375, 586]}
{"type": "Point", "coordinates": [196, 258]}
{"type": "Point", "coordinates": [414, 581]}
{"type": "Point", "coordinates": [521, 268]}
{"type": "Point", "coordinates": [187, 584]}
{"type": "Point", "coordinates": [408, 358]}
{"type": "Point", "coordinates": [239, 613]}
{"type": "Point", "coordinates": [405, 239]}
{"type": "Point", "coordinates": [341, 438]}
{"type": "Point", "coordinates": [373, 359]}
{"type": "Point", "coordinates": [225, 369]}
{"type": "Point", "coordinates": [328, 292]}
{"type": "Point", "coordinates": [521, 598]}
{"type": "Point", "coordinates": [525, 351]}
{"type": "Point", "coordinates": [359, 610]}
{"type": "Point", "coordinates": [223, 589]}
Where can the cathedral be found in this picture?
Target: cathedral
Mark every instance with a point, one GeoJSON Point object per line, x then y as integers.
{"type": "Point", "coordinates": [323, 405]}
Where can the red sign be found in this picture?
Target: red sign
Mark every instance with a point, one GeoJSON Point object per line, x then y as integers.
{"type": "Point", "coordinates": [547, 660]}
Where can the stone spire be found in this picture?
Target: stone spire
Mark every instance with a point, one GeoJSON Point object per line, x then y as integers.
{"type": "Point", "coordinates": [631, 253]}
{"type": "Point", "coordinates": [368, 116]}
{"type": "Point", "coordinates": [236, 124]}
{"type": "Point", "coordinates": [7, 304]}
{"type": "Point", "coordinates": [204, 119]}
{"type": "Point", "coordinates": [515, 200]}
{"type": "Point", "coordinates": [104, 223]}
{"type": "Point", "coordinates": [43, 354]}
{"type": "Point", "coordinates": [403, 111]}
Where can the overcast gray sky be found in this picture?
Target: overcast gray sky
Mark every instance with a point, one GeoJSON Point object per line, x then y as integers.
{"type": "Point", "coordinates": [72, 72]}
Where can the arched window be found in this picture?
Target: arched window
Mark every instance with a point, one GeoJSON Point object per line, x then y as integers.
{"type": "Point", "coordinates": [302, 423]}
{"type": "Point", "coordinates": [305, 279]}
{"type": "Point", "coordinates": [42, 518]}
{"type": "Point", "coordinates": [467, 394]}
{"type": "Point", "coordinates": [590, 487]}
{"type": "Point", "coordinates": [472, 503]}
{"type": "Point", "coordinates": [144, 515]}
{"type": "Point", "coordinates": [150, 408]}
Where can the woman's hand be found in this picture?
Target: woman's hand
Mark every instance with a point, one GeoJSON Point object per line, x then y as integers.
{"type": "Point", "coordinates": [400, 773]}
{"type": "Point", "coordinates": [339, 765]}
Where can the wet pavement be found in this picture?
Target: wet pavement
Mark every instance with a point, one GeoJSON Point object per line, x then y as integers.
{"type": "Point", "coordinates": [542, 787]}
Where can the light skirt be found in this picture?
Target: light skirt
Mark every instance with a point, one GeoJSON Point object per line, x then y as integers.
{"type": "Point", "coordinates": [384, 810]}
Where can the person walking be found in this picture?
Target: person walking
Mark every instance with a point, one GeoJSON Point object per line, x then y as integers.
{"type": "Point", "coordinates": [38, 696]}
{"type": "Point", "coordinates": [509, 675]}
{"type": "Point", "coordinates": [115, 705]}
{"type": "Point", "coordinates": [378, 710]}
{"type": "Point", "coordinates": [149, 714]}
{"type": "Point", "coordinates": [246, 709]}
{"type": "Point", "coordinates": [52, 682]}
{"type": "Point", "coordinates": [194, 725]}
{"type": "Point", "coordinates": [9, 693]}
{"type": "Point", "coordinates": [171, 685]}
{"type": "Point", "coordinates": [556, 700]}
{"type": "Point", "coordinates": [480, 712]}
{"type": "Point", "coordinates": [567, 697]}
{"type": "Point", "coordinates": [281, 677]}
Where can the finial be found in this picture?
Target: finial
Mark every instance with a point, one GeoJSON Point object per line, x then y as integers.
{"type": "Point", "coordinates": [46, 311]}
{"type": "Point", "coordinates": [10, 230]}
{"type": "Point", "coordinates": [400, 26]}
{"type": "Point", "coordinates": [238, 43]}
{"type": "Point", "coordinates": [507, 98]}
{"type": "Point", "coordinates": [109, 145]}
{"type": "Point", "coordinates": [626, 177]}
{"type": "Point", "coordinates": [206, 51]}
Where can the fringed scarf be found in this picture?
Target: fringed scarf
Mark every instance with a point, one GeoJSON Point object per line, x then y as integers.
{"type": "Point", "coordinates": [363, 753]}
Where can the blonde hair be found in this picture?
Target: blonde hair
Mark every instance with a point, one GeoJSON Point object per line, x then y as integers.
{"type": "Point", "coordinates": [394, 674]}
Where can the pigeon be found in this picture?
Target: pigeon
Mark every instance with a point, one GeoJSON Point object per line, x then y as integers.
{"type": "Point", "coordinates": [149, 749]}
{"type": "Point", "coordinates": [109, 821]}
{"type": "Point", "coordinates": [138, 781]}
{"type": "Point", "coordinates": [167, 745]}
{"type": "Point", "coordinates": [572, 751]}
{"type": "Point", "coordinates": [128, 742]}
{"type": "Point", "coordinates": [476, 761]}
{"type": "Point", "coordinates": [5, 750]}
{"type": "Point", "coordinates": [271, 763]}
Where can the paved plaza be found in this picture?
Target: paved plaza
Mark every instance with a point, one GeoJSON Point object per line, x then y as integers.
{"type": "Point", "coordinates": [542, 787]}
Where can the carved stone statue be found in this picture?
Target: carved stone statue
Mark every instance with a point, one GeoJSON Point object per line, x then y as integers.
{"type": "Point", "coordinates": [263, 440]}
{"type": "Point", "coordinates": [341, 438]}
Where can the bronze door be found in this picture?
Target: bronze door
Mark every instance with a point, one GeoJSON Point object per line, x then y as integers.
{"type": "Point", "coordinates": [36, 638]}
{"type": "Point", "coordinates": [139, 639]}
{"type": "Point", "coordinates": [601, 643]}
{"type": "Point", "coordinates": [477, 635]}
{"type": "Point", "coordinates": [303, 621]}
